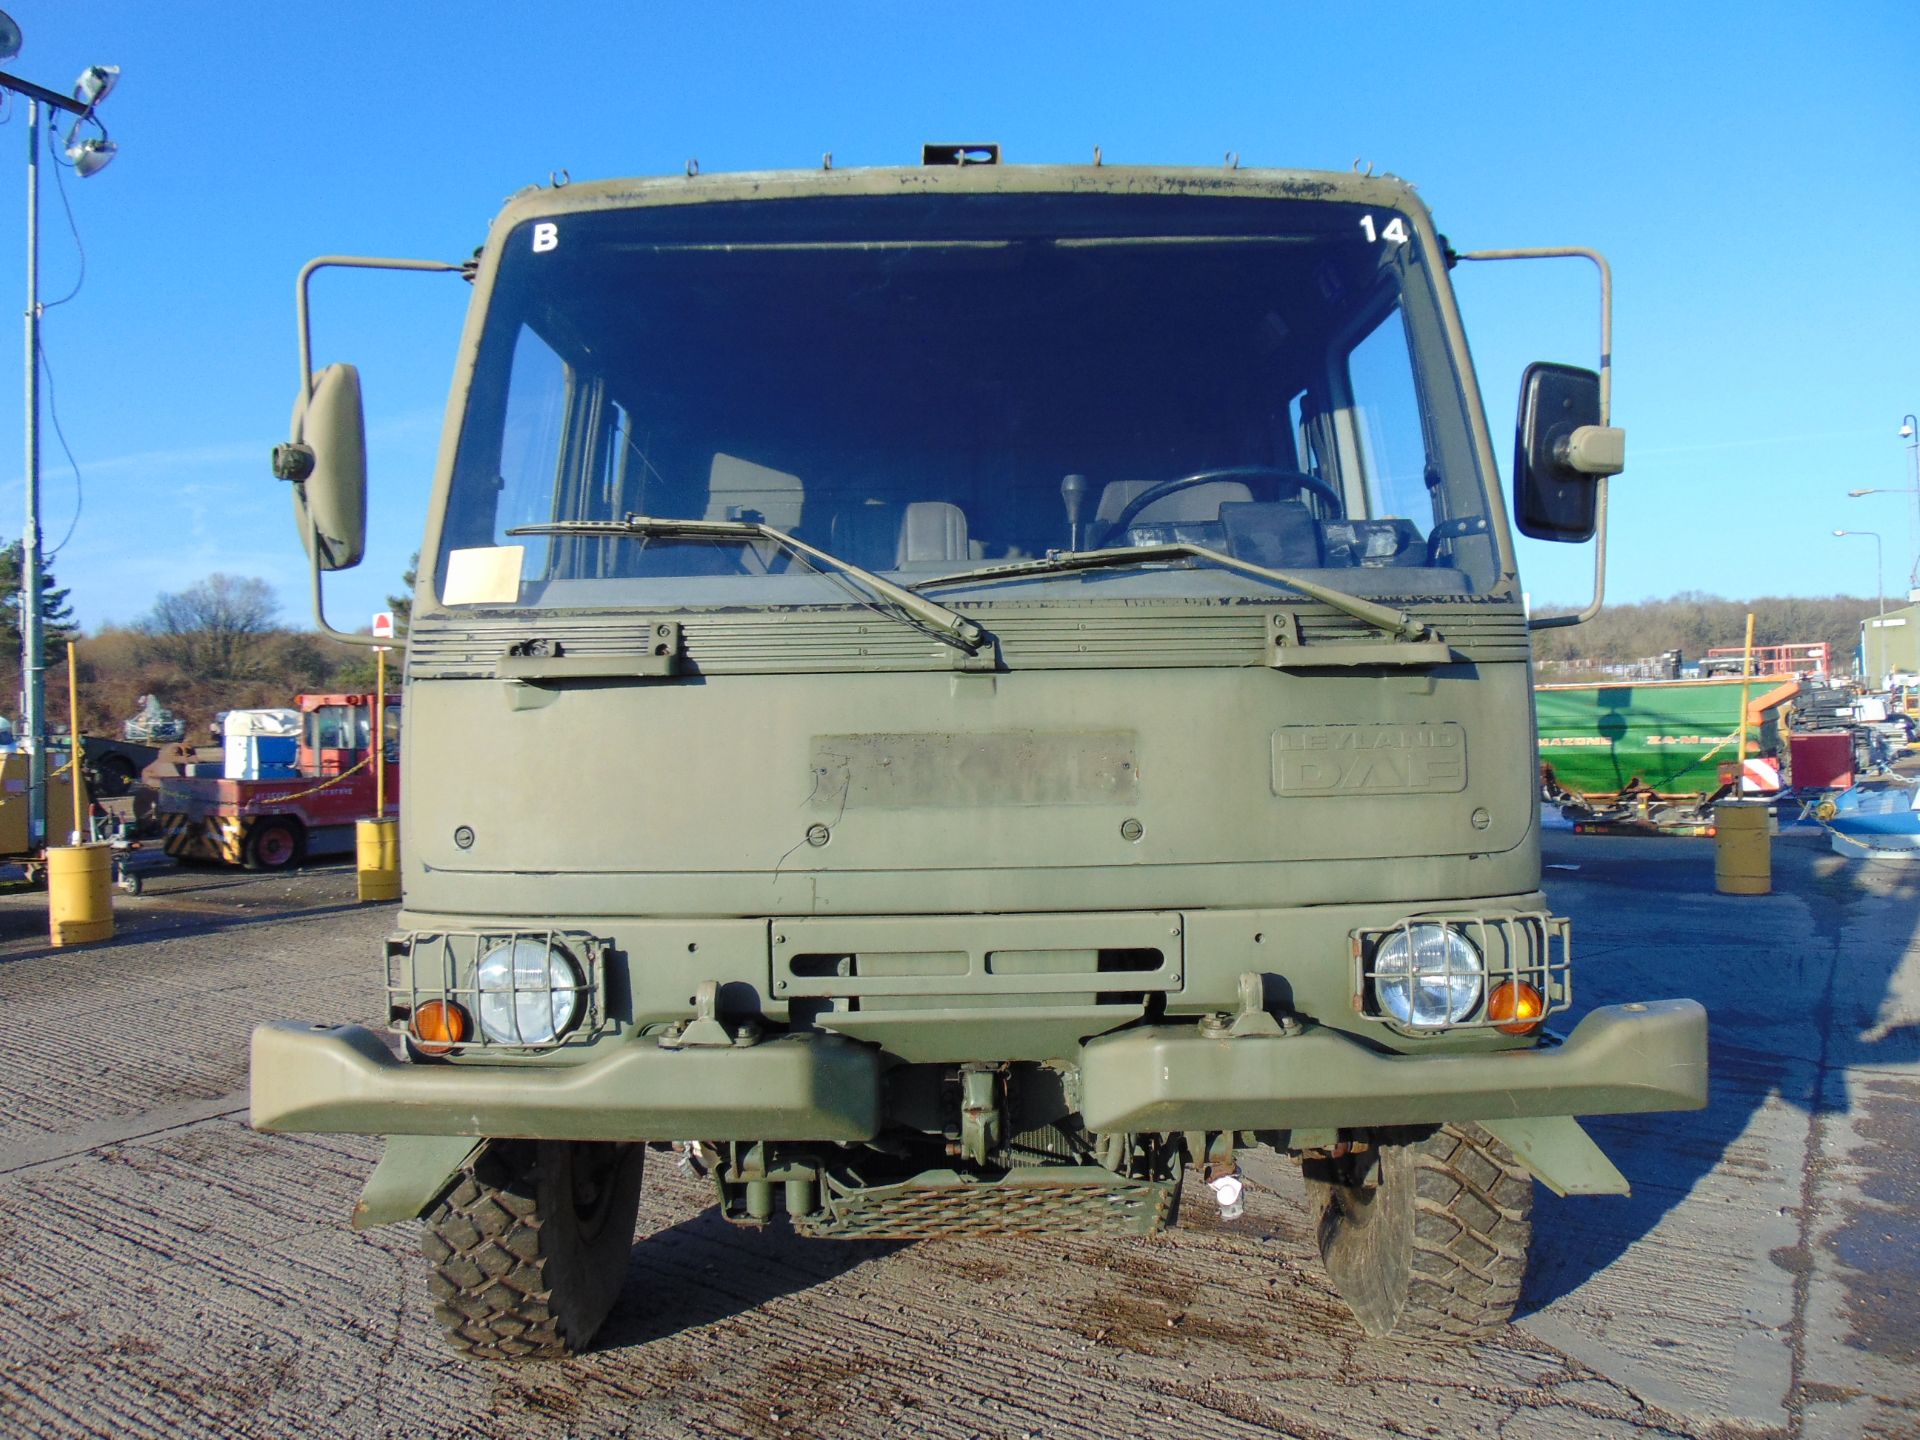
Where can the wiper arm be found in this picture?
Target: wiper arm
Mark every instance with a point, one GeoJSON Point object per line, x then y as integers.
{"type": "Point", "coordinates": [1396, 623]}
{"type": "Point", "coordinates": [949, 625]}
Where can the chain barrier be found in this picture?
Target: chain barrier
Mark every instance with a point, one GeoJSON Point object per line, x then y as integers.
{"type": "Point", "coordinates": [252, 806]}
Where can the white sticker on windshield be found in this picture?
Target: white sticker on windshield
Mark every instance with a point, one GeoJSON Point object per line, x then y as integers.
{"type": "Point", "coordinates": [489, 575]}
{"type": "Point", "coordinates": [546, 236]}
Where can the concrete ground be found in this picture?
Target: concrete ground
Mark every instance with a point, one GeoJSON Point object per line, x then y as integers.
{"type": "Point", "coordinates": [166, 1271]}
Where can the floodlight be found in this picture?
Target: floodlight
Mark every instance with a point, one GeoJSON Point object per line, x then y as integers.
{"type": "Point", "coordinates": [10, 37]}
{"type": "Point", "coordinates": [96, 82]}
{"type": "Point", "coordinates": [90, 157]}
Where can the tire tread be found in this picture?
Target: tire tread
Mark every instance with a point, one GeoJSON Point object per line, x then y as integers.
{"type": "Point", "coordinates": [1439, 1246]}
{"type": "Point", "coordinates": [489, 1276]}
{"type": "Point", "coordinates": [1468, 1296]}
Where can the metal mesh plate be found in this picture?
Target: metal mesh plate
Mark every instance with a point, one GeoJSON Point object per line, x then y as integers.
{"type": "Point", "coordinates": [1056, 1200]}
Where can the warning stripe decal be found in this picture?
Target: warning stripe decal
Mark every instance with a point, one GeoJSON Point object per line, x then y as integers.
{"type": "Point", "coordinates": [220, 837]}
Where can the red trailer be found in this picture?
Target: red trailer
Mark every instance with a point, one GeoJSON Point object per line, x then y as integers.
{"type": "Point", "coordinates": [269, 824]}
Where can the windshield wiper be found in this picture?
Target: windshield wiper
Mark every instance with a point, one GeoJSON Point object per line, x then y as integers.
{"type": "Point", "coordinates": [947, 625]}
{"type": "Point", "coordinates": [1396, 623]}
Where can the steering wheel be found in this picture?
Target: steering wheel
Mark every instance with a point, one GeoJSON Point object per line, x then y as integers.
{"type": "Point", "coordinates": [1266, 475]}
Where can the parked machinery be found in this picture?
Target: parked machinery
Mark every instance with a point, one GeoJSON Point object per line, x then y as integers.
{"type": "Point", "coordinates": [267, 814]}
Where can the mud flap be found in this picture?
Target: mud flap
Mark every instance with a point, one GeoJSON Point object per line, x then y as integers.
{"type": "Point", "coordinates": [1561, 1155]}
{"type": "Point", "coordinates": [414, 1173]}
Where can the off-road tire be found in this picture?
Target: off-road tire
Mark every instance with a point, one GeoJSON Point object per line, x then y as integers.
{"type": "Point", "coordinates": [525, 1265]}
{"type": "Point", "coordinates": [1436, 1244]}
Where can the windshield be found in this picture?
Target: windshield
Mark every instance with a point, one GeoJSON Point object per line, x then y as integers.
{"type": "Point", "coordinates": [930, 383]}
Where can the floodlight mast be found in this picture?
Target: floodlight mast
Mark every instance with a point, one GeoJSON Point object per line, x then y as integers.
{"type": "Point", "coordinates": [33, 718]}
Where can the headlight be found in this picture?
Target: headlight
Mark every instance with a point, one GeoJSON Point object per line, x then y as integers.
{"type": "Point", "coordinates": [529, 993]}
{"type": "Point", "coordinates": [1428, 976]}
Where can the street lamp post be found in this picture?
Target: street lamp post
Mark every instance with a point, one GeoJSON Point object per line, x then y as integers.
{"type": "Point", "coordinates": [33, 657]}
{"type": "Point", "coordinates": [89, 156]}
{"type": "Point", "coordinates": [1913, 577]}
{"type": "Point", "coordinates": [1879, 582]}
{"type": "Point", "coordinates": [1910, 432]}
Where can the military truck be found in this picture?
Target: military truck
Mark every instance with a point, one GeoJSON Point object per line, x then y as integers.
{"type": "Point", "coordinates": [953, 696]}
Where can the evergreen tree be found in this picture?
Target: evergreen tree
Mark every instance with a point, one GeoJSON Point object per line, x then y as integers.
{"type": "Point", "coordinates": [56, 615]}
{"type": "Point", "coordinates": [402, 604]}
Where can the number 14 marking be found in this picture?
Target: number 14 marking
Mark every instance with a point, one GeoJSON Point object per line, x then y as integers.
{"type": "Point", "coordinates": [1396, 230]}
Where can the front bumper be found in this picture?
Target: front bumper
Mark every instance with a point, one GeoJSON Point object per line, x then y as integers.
{"type": "Point", "coordinates": [1620, 1058]}
{"type": "Point", "coordinates": [343, 1079]}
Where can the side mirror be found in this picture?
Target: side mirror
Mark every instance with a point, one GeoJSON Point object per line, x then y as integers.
{"type": "Point", "coordinates": [1560, 450]}
{"type": "Point", "coordinates": [330, 444]}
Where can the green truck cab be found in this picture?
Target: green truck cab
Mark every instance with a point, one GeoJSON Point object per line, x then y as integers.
{"type": "Point", "coordinates": [951, 696]}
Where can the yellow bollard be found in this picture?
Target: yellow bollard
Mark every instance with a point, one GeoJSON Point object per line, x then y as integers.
{"type": "Point", "coordinates": [377, 845]}
{"type": "Point", "coordinates": [1742, 853]}
{"type": "Point", "coordinates": [80, 893]}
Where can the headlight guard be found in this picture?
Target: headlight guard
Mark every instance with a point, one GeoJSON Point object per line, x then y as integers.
{"type": "Point", "coordinates": [524, 990]}
{"type": "Point", "coordinates": [1414, 978]}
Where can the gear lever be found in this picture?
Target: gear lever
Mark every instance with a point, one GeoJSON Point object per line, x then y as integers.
{"type": "Point", "coordinates": [1073, 490]}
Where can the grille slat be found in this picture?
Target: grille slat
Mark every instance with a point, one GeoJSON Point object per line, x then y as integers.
{"type": "Point", "coordinates": [838, 640]}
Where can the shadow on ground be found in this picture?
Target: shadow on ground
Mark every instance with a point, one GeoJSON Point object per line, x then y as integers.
{"type": "Point", "coordinates": [1794, 984]}
{"type": "Point", "coordinates": [707, 1269]}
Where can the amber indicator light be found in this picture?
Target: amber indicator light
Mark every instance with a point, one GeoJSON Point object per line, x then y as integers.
{"type": "Point", "coordinates": [1515, 1007]}
{"type": "Point", "coordinates": [439, 1025]}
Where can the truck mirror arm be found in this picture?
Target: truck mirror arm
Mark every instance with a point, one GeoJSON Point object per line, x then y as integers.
{"type": "Point", "coordinates": [349, 262]}
{"type": "Point", "coordinates": [1557, 252]}
{"type": "Point", "coordinates": [1554, 622]}
{"type": "Point", "coordinates": [345, 637]}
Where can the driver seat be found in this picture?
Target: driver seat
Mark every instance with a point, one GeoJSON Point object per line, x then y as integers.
{"type": "Point", "coordinates": [1195, 503]}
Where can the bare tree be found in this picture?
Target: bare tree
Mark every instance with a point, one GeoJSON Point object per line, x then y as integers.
{"type": "Point", "coordinates": [213, 630]}
{"type": "Point", "coordinates": [1692, 622]}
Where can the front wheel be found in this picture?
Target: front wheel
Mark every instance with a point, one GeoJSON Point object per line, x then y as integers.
{"type": "Point", "coordinates": [1427, 1235]}
{"type": "Point", "coordinates": [529, 1249]}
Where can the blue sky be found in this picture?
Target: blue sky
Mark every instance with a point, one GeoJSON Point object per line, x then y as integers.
{"type": "Point", "coordinates": [1752, 171]}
